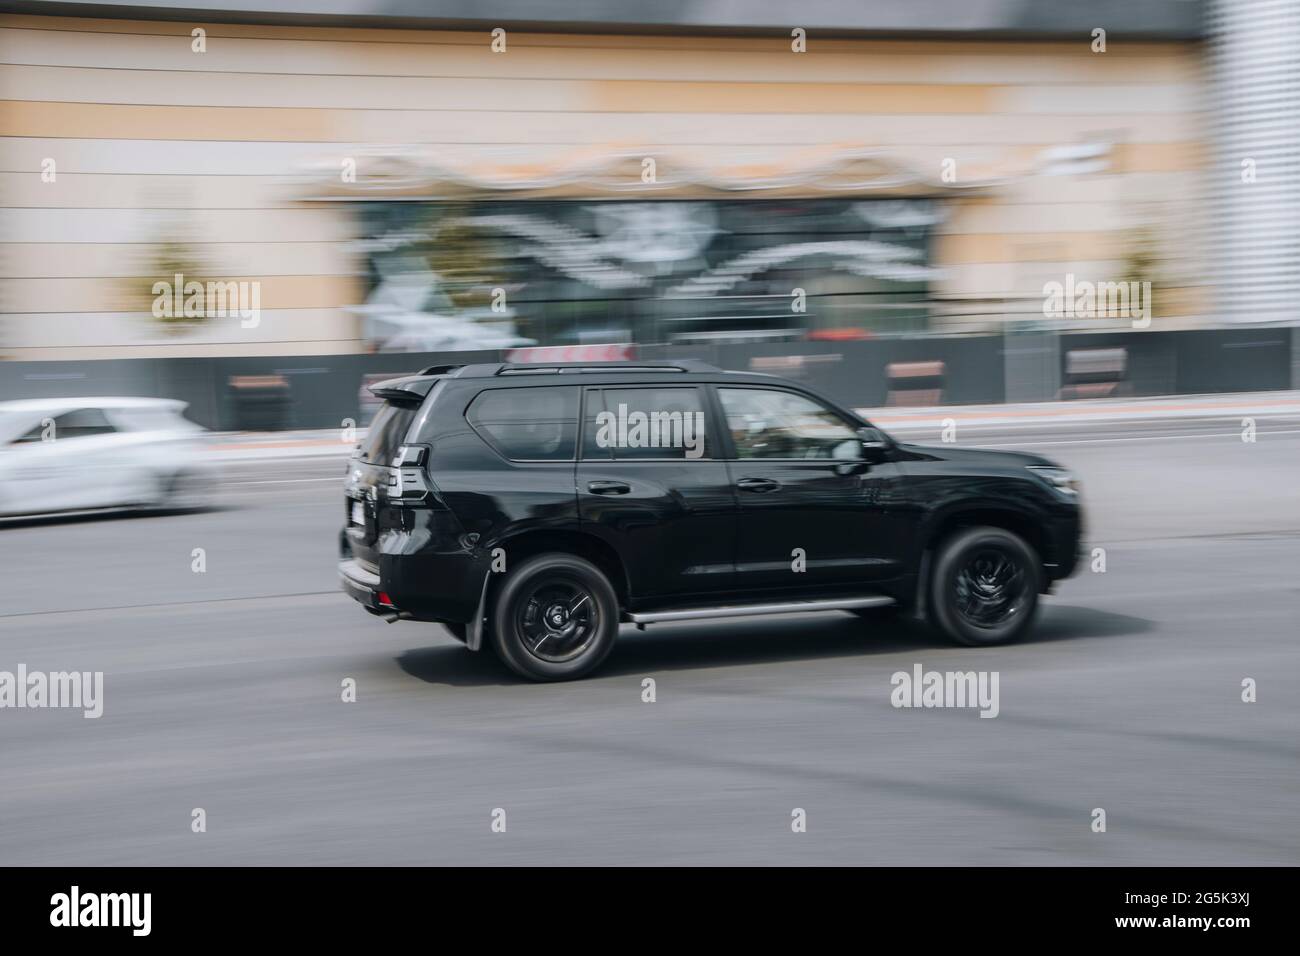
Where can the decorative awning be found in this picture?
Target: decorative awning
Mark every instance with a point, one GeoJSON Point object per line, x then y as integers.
{"type": "Point", "coordinates": [625, 174]}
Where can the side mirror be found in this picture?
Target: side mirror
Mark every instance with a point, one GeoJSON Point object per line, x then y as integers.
{"type": "Point", "coordinates": [875, 446]}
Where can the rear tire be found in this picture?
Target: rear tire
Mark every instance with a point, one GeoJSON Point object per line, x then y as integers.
{"type": "Point", "coordinates": [555, 617]}
{"type": "Point", "coordinates": [984, 587]}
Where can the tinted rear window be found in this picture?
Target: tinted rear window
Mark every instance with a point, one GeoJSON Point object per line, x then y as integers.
{"type": "Point", "coordinates": [386, 433]}
{"type": "Point", "coordinates": [528, 424]}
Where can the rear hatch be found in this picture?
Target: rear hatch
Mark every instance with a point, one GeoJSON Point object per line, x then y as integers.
{"type": "Point", "coordinates": [369, 475]}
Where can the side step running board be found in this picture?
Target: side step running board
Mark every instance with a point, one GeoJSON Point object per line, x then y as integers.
{"type": "Point", "coordinates": [755, 610]}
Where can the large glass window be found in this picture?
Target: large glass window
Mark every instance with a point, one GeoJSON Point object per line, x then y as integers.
{"type": "Point", "coordinates": [614, 271]}
{"type": "Point", "coordinates": [528, 424]}
{"type": "Point", "coordinates": [766, 423]}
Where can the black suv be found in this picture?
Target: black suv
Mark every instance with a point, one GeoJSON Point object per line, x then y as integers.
{"type": "Point", "coordinates": [535, 507]}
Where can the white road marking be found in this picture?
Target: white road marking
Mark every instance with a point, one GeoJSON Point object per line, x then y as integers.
{"type": "Point", "coordinates": [1107, 441]}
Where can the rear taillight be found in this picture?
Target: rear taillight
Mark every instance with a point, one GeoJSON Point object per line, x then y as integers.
{"type": "Point", "coordinates": [408, 483]}
{"type": "Point", "coordinates": [411, 456]}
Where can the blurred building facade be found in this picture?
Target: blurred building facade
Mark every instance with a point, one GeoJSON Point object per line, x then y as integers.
{"type": "Point", "coordinates": [402, 176]}
{"type": "Point", "coordinates": [1254, 79]}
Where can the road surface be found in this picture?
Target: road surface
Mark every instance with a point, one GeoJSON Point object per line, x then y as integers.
{"type": "Point", "coordinates": [223, 692]}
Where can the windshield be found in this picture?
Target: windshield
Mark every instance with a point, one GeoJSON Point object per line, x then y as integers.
{"type": "Point", "coordinates": [153, 419]}
{"type": "Point", "coordinates": [13, 425]}
{"type": "Point", "coordinates": [386, 433]}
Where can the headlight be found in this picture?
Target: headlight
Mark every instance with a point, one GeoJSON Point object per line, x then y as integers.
{"type": "Point", "coordinates": [1062, 479]}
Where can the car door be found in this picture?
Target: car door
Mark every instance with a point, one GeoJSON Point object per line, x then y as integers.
{"type": "Point", "coordinates": [65, 463]}
{"type": "Point", "coordinates": [810, 503]}
{"type": "Point", "coordinates": [30, 462]}
{"type": "Point", "coordinates": [651, 485]}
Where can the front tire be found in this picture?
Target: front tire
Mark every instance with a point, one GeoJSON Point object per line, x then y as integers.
{"type": "Point", "coordinates": [984, 588]}
{"type": "Point", "coordinates": [554, 618]}
{"type": "Point", "coordinates": [186, 492]}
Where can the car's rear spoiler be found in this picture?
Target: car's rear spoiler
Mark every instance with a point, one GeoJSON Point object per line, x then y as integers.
{"type": "Point", "coordinates": [408, 390]}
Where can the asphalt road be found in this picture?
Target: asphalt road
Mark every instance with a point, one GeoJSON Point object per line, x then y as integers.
{"type": "Point", "coordinates": [223, 692]}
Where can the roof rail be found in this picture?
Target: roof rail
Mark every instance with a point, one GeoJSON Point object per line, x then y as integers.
{"type": "Point", "coordinates": [553, 368]}
{"type": "Point", "coordinates": [441, 369]}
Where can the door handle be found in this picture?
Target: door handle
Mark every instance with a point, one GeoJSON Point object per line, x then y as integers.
{"type": "Point", "coordinates": [608, 487]}
{"type": "Point", "coordinates": [758, 485]}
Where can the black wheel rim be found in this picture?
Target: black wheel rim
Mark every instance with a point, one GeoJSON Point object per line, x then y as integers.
{"type": "Point", "coordinates": [991, 588]}
{"type": "Point", "coordinates": [557, 619]}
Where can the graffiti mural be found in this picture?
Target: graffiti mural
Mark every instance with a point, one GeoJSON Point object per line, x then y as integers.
{"type": "Point", "coordinates": [503, 274]}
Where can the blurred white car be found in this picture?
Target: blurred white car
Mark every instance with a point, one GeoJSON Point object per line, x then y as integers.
{"type": "Point", "coordinates": [77, 454]}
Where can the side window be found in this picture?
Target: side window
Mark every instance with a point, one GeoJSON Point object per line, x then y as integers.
{"type": "Point", "coordinates": [80, 423]}
{"type": "Point", "coordinates": [528, 424]}
{"type": "Point", "coordinates": [776, 424]}
{"type": "Point", "coordinates": [650, 422]}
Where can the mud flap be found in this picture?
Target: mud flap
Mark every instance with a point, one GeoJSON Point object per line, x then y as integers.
{"type": "Point", "coordinates": [921, 606]}
{"type": "Point", "coordinates": [476, 628]}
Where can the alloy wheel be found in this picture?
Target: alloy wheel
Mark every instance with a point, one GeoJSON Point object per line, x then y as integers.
{"type": "Point", "coordinates": [991, 588]}
{"type": "Point", "coordinates": [557, 620]}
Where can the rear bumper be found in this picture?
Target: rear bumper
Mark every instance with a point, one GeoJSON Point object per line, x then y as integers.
{"type": "Point", "coordinates": [425, 573]}
{"type": "Point", "coordinates": [361, 585]}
